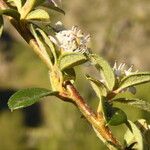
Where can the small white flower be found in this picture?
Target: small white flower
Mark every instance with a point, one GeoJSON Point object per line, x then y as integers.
{"type": "Point", "coordinates": [121, 72]}
{"type": "Point", "coordinates": [118, 70]}
{"type": "Point", "coordinates": [72, 40]}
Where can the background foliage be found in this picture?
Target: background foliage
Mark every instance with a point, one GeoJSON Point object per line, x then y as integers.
{"type": "Point", "coordinates": [119, 30]}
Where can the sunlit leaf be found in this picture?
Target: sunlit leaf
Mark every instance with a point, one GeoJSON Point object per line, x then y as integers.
{"type": "Point", "coordinates": [48, 42]}
{"type": "Point", "coordinates": [27, 7]}
{"type": "Point", "coordinates": [10, 12]}
{"type": "Point", "coordinates": [103, 66]}
{"type": "Point", "coordinates": [1, 25]}
{"type": "Point", "coordinates": [27, 97]}
{"type": "Point", "coordinates": [98, 86]}
{"type": "Point", "coordinates": [134, 136]}
{"type": "Point", "coordinates": [45, 51]}
{"type": "Point", "coordinates": [38, 14]}
{"type": "Point", "coordinates": [70, 60]}
{"type": "Point", "coordinates": [135, 102]}
{"type": "Point", "coordinates": [134, 79]}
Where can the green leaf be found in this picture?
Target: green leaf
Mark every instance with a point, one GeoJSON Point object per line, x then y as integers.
{"type": "Point", "coordinates": [1, 25]}
{"type": "Point", "coordinates": [43, 46]}
{"type": "Point", "coordinates": [38, 14]}
{"type": "Point", "coordinates": [27, 97]}
{"type": "Point", "coordinates": [135, 102]}
{"type": "Point", "coordinates": [70, 60]}
{"type": "Point", "coordinates": [118, 117]}
{"type": "Point", "coordinates": [98, 86]}
{"type": "Point", "coordinates": [114, 116]}
{"type": "Point", "coordinates": [48, 42]}
{"type": "Point", "coordinates": [133, 135]}
{"type": "Point", "coordinates": [27, 7]}
{"type": "Point", "coordinates": [53, 7]}
{"type": "Point", "coordinates": [103, 66]}
{"type": "Point", "coordinates": [134, 79]}
{"type": "Point", "coordinates": [10, 12]}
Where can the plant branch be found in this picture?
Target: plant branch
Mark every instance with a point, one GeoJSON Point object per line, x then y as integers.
{"type": "Point", "coordinates": [97, 120]}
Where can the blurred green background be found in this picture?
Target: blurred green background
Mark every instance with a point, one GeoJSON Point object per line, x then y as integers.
{"type": "Point", "coordinates": [120, 30]}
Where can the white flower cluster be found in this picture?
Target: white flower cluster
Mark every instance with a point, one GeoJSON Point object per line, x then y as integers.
{"type": "Point", "coordinates": [73, 40]}
{"type": "Point", "coordinates": [121, 72]}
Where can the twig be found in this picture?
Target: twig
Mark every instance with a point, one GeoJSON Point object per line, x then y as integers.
{"type": "Point", "coordinates": [97, 120]}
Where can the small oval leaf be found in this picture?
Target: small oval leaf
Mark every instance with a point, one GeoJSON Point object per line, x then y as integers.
{"type": "Point", "coordinates": [118, 117]}
{"type": "Point", "coordinates": [114, 116]}
{"type": "Point", "coordinates": [134, 79]}
{"type": "Point", "coordinates": [70, 60]}
{"type": "Point", "coordinates": [135, 102]}
{"type": "Point", "coordinates": [38, 14]}
{"type": "Point", "coordinates": [103, 66]}
{"type": "Point", "coordinates": [1, 25]}
{"type": "Point", "coordinates": [27, 97]}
